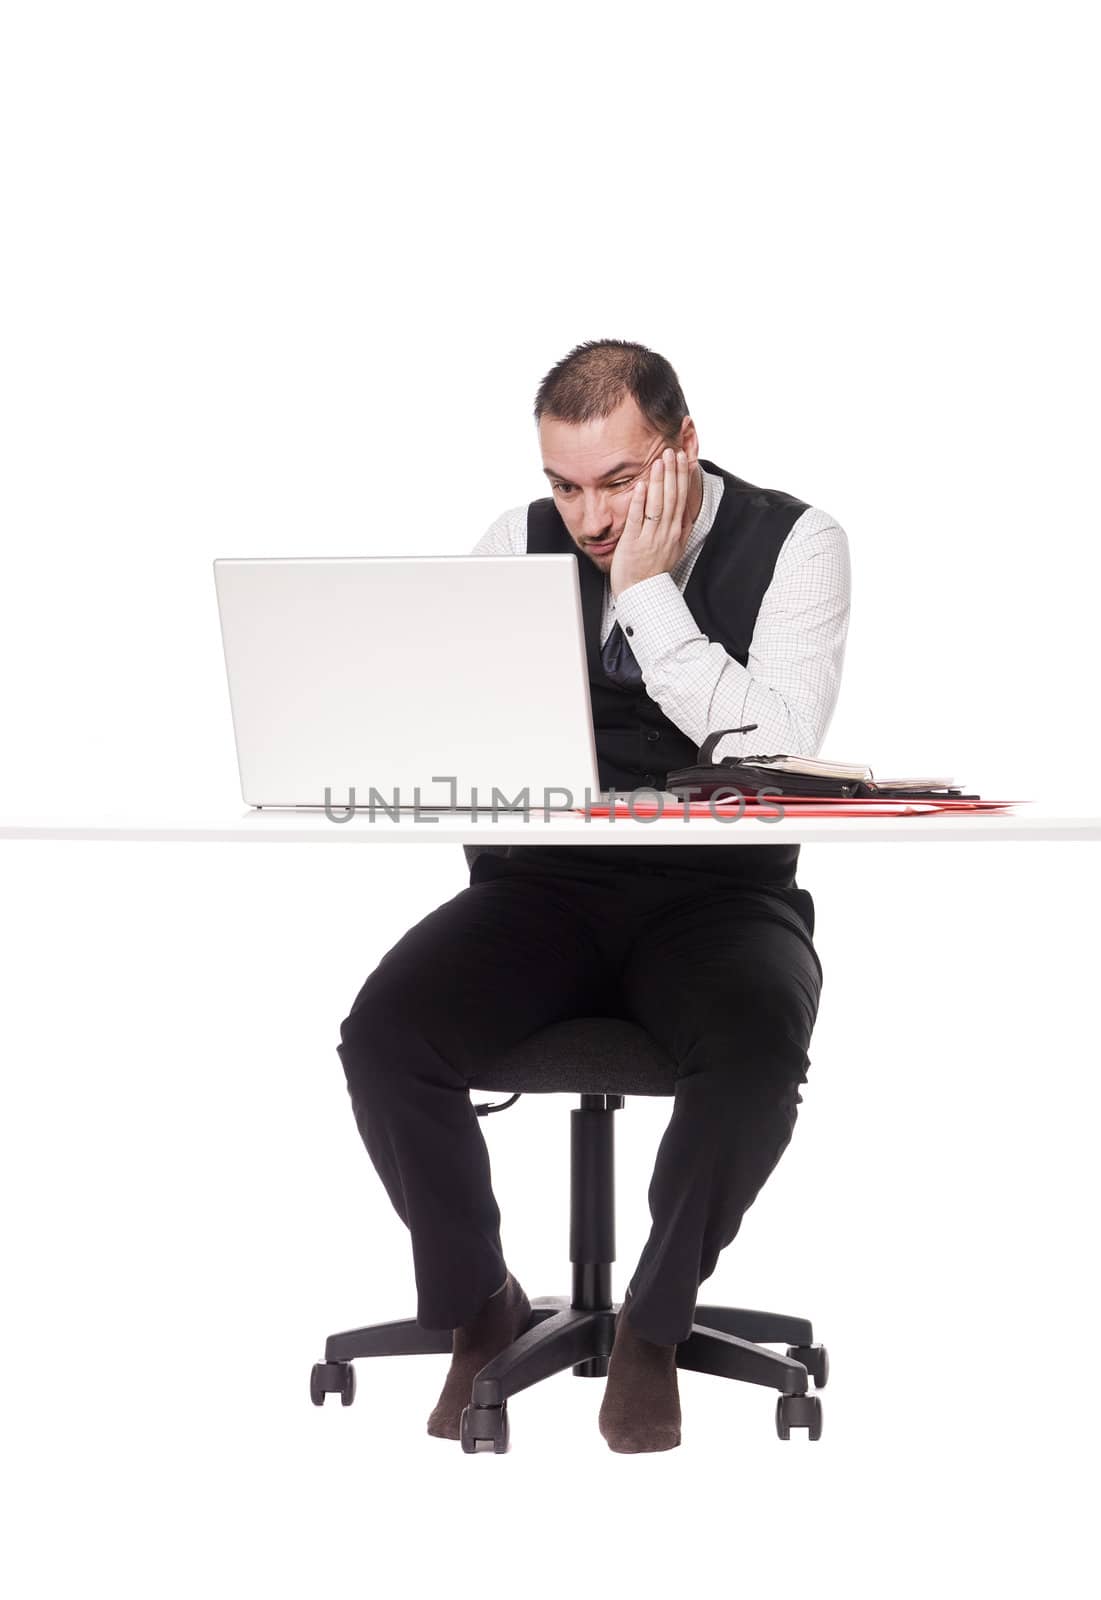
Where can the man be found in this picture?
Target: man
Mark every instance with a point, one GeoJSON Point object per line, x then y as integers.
{"type": "Point", "coordinates": [709, 603]}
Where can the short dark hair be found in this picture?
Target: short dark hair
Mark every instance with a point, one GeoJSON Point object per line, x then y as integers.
{"type": "Point", "coordinates": [594, 378]}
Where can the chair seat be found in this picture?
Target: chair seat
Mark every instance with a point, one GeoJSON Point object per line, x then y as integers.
{"type": "Point", "coordinates": [583, 1055]}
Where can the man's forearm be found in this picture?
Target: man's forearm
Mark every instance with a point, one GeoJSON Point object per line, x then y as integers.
{"type": "Point", "coordinates": [791, 680]}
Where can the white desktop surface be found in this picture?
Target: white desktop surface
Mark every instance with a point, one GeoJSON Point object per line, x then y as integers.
{"type": "Point", "coordinates": [1038, 820]}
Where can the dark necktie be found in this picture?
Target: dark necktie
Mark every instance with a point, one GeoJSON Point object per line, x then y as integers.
{"type": "Point", "coordinates": [618, 660]}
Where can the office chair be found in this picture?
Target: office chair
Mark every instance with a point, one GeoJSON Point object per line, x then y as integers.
{"type": "Point", "coordinates": [589, 1056]}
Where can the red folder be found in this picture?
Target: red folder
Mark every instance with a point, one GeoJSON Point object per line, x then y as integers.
{"type": "Point", "coordinates": [802, 805]}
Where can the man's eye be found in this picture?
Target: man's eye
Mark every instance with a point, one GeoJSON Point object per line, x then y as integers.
{"type": "Point", "coordinates": [620, 483]}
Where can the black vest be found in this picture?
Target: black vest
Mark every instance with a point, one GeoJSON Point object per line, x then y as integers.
{"type": "Point", "coordinates": [637, 745]}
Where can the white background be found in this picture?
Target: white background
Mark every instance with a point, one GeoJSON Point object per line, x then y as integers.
{"type": "Point", "coordinates": [283, 279]}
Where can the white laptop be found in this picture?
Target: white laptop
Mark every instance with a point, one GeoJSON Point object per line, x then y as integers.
{"type": "Point", "coordinates": [433, 681]}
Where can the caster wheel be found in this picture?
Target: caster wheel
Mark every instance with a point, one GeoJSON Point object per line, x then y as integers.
{"type": "Point", "coordinates": [799, 1411]}
{"type": "Point", "coordinates": [484, 1425]}
{"type": "Point", "coordinates": [333, 1377]}
{"type": "Point", "coordinates": [816, 1360]}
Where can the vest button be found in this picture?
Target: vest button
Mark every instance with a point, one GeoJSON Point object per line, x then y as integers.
{"type": "Point", "coordinates": [653, 736]}
{"type": "Point", "coordinates": [649, 777]}
{"type": "Point", "coordinates": [629, 631]}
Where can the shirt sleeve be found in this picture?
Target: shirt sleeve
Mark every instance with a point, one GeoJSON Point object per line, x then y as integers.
{"type": "Point", "coordinates": [792, 677]}
{"type": "Point", "coordinates": [508, 536]}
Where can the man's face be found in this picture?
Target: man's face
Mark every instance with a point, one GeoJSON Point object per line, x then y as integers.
{"type": "Point", "coordinates": [593, 466]}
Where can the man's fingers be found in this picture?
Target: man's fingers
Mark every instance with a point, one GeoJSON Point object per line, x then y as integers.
{"type": "Point", "coordinates": [655, 491]}
{"type": "Point", "coordinates": [667, 527]}
{"type": "Point", "coordinates": [682, 489]}
{"type": "Point", "coordinates": [636, 508]}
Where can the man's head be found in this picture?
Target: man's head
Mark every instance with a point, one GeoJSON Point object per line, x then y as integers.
{"type": "Point", "coordinates": [605, 413]}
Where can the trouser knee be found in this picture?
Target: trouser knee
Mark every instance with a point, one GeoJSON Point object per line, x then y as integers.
{"type": "Point", "coordinates": [373, 1030]}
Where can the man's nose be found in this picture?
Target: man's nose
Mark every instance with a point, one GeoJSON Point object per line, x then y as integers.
{"type": "Point", "coordinates": [596, 515]}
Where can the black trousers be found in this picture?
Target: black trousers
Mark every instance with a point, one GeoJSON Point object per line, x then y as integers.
{"type": "Point", "coordinates": [726, 978]}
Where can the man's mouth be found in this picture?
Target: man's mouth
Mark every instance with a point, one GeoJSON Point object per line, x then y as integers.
{"type": "Point", "coordinates": [603, 548]}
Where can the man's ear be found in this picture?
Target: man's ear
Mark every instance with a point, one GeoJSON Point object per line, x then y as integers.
{"type": "Point", "coordinates": [689, 441]}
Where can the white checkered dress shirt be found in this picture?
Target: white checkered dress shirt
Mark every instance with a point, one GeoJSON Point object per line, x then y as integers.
{"type": "Point", "coordinates": [790, 684]}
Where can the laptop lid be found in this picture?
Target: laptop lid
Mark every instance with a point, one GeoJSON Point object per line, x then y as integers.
{"type": "Point", "coordinates": [432, 680]}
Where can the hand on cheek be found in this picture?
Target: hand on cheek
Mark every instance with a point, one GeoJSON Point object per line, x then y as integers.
{"type": "Point", "coordinates": [655, 533]}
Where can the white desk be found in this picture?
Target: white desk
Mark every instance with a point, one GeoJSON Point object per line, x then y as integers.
{"type": "Point", "coordinates": [1038, 820]}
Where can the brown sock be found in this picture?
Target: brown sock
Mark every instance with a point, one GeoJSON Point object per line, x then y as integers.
{"type": "Point", "coordinates": [641, 1406]}
{"type": "Point", "coordinates": [503, 1318]}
